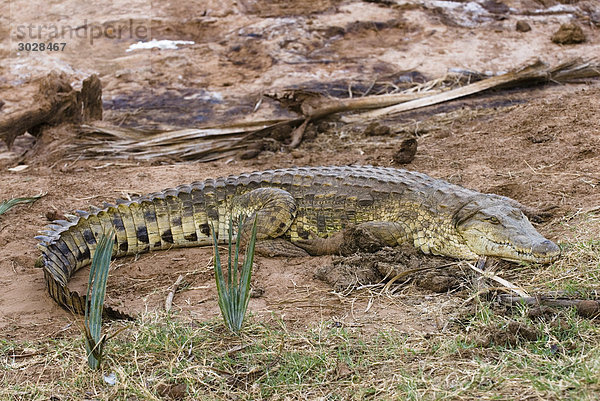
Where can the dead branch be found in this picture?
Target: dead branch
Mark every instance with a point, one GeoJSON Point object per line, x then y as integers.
{"type": "Point", "coordinates": [298, 133]}
{"type": "Point", "coordinates": [588, 308]}
{"type": "Point", "coordinates": [508, 299]}
{"type": "Point", "coordinates": [571, 70]}
{"type": "Point", "coordinates": [320, 107]}
{"type": "Point", "coordinates": [505, 283]}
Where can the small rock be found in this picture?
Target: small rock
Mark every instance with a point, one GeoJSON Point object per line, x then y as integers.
{"type": "Point", "coordinates": [568, 34]}
{"type": "Point", "coordinates": [588, 308]}
{"type": "Point", "coordinates": [375, 129]}
{"type": "Point", "coordinates": [595, 18]}
{"type": "Point", "coordinates": [554, 349]}
{"type": "Point", "coordinates": [438, 283]}
{"type": "Point", "coordinates": [407, 151]}
{"type": "Point", "coordinates": [249, 154]}
{"type": "Point", "coordinates": [52, 215]}
{"type": "Point", "coordinates": [495, 7]}
{"type": "Point", "coordinates": [110, 379]}
{"type": "Point", "coordinates": [523, 26]}
{"type": "Point", "coordinates": [541, 312]}
{"type": "Point", "coordinates": [172, 391]}
{"type": "Point", "coordinates": [523, 331]}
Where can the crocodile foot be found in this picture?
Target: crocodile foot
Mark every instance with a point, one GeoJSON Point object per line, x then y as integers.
{"type": "Point", "coordinates": [278, 247]}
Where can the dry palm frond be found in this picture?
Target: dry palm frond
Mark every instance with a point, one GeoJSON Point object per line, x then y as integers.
{"type": "Point", "coordinates": [194, 143]}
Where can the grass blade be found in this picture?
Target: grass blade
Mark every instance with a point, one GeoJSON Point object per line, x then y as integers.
{"type": "Point", "coordinates": [221, 286]}
{"type": "Point", "coordinates": [7, 204]}
{"type": "Point", "coordinates": [94, 341]}
{"type": "Point", "coordinates": [234, 294]}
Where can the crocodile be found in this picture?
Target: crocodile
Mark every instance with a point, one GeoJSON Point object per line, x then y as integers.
{"type": "Point", "coordinates": [299, 211]}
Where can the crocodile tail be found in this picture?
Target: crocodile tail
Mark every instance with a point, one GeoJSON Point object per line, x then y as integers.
{"type": "Point", "coordinates": [172, 218]}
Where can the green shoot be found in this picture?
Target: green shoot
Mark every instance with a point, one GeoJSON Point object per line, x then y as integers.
{"type": "Point", "coordinates": [94, 341]}
{"type": "Point", "coordinates": [7, 204]}
{"type": "Point", "coordinates": [234, 293]}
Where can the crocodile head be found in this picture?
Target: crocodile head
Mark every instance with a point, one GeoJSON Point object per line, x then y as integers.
{"type": "Point", "coordinates": [492, 227]}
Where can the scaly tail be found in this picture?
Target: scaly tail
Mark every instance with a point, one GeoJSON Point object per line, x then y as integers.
{"type": "Point", "coordinates": [172, 218]}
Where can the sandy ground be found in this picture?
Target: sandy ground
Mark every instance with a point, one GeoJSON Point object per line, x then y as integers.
{"type": "Point", "coordinates": [540, 146]}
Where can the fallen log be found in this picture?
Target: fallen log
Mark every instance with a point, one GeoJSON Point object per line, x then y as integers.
{"type": "Point", "coordinates": [55, 102]}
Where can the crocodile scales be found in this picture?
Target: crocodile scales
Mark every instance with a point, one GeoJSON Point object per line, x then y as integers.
{"type": "Point", "coordinates": [298, 211]}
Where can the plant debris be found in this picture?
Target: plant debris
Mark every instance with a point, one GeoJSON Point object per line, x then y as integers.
{"type": "Point", "coordinates": [246, 140]}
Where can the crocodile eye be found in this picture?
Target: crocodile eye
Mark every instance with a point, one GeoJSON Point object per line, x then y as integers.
{"type": "Point", "coordinates": [493, 220]}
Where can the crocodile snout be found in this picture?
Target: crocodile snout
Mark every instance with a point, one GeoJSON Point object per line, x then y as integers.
{"type": "Point", "coordinates": [546, 249]}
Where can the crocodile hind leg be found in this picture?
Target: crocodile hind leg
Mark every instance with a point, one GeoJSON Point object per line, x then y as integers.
{"type": "Point", "coordinates": [274, 210]}
{"type": "Point", "coordinates": [368, 236]}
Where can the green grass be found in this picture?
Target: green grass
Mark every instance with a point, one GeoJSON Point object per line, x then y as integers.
{"type": "Point", "coordinates": [271, 361]}
{"type": "Point", "coordinates": [234, 293]}
{"type": "Point", "coordinates": [96, 290]}
{"type": "Point", "coordinates": [5, 205]}
{"type": "Point", "coordinates": [474, 357]}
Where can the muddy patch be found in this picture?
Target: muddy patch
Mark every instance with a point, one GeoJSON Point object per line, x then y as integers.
{"type": "Point", "coordinates": [402, 264]}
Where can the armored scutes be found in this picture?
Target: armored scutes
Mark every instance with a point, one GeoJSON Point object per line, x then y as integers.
{"type": "Point", "coordinates": [297, 210]}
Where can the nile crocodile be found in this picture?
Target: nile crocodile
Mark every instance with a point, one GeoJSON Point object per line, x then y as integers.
{"type": "Point", "coordinates": [297, 211]}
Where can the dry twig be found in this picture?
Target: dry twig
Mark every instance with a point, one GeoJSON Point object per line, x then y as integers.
{"type": "Point", "coordinates": [505, 283]}
{"type": "Point", "coordinates": [171, 295]}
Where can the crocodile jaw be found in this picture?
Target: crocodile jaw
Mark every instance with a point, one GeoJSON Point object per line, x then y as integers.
{"type": "Point", "coordinates": [542, 251]}
{"type": "Point", "coordinates": [502, 231]}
